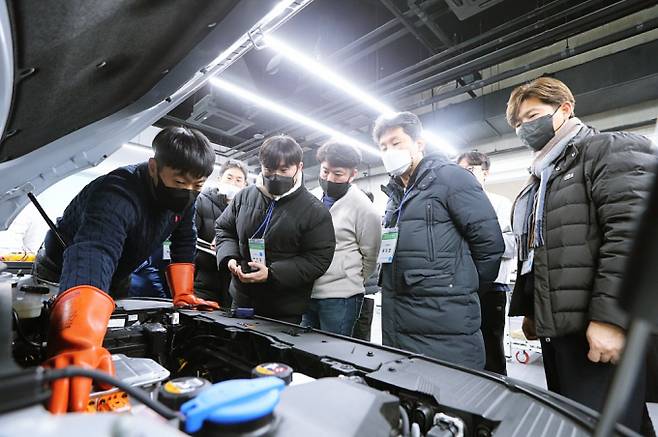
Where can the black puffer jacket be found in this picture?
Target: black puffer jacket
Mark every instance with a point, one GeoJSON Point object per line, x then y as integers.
{"type": "Point", "coordinates": [208, 281]}
{"type": "Point", "coordinates": [593, 200]}
{"type": "Point", "coordinates": [299, 247]}
{"type": "Point", "coordinates": [209, 206]}
{"type": "Point", "coordinates": [449, 243]}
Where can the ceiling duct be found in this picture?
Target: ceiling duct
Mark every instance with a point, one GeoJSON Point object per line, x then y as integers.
{"type": "Point", "coordinates": [464, 9]}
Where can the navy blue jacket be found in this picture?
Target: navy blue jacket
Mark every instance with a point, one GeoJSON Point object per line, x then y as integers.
{"type": "Point", "coordinates": [149, 278]}
{"type": "Point", "coordinates": [449, 244]}
{"type": "Point", "coordinates": [112, 226]}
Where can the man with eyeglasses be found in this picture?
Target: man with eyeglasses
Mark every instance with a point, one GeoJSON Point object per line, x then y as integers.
{"type": "Point", "coordinates": [208, 282]}
{"type": "Point", "coordinates": [493, 296]}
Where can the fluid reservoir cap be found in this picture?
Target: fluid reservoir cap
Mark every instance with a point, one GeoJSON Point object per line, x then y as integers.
{"type": "Point", "coordinates": [281, 371]}
{"type": "Point", "coordinates": [176, 392]}
{"type": "Point", "coordinates": [233, 402]}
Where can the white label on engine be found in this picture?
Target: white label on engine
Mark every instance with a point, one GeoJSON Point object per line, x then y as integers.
{"type": "Point", "coordinates": [116, 323]}
{"type": "Point", "coordinates": [133, 317]}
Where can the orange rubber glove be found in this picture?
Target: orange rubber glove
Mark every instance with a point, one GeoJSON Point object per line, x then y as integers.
{"type": "Point", "coordinates": [180, 277]}
{"type": "Point", "coordinates": [78, 322]}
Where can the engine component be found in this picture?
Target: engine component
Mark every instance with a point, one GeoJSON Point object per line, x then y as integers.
{"type": "Point", "coordinates": [28, 296]}
{"type": "Point", "coordinates": [312, 409]}
{"type": "Point", "coordinates": [138, 372]}
{"type": "Point", "coordinates": [300, 378]}
{"type": "Point", "coordinates": [445, 425]}
{"type": "Point", "coordinates": [176, 392]}
{"type": "Point", "coordinates": [36, 421]}
{"type": "Point", "coordinates": [249, 408]}
{"type": "Point", "coordinates": [423, 415]}
{"type": "Point", "coordinates": [240, 407]}
{"type": "Point", "coordinates": [281, 371]}
{"type": "Point", "coordinates": [373, 381]}
{"type": "Point", "coordinates": [113, 402]}
{"type": "Point", "coordinates": [157, 341]}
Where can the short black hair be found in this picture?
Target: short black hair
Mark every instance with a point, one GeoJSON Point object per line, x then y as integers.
{"type": "Point", "coordinates": [232, 163]}
{"type": "Point", "coordinates": [280, 148]}
{"type": "Point", "coordinates": [475, 158]}
{"type": "Point", "coordinates": [339, 154]}
{"type": "Point", "coordinates": [184, 149]}
{"type": "Point", "coordinates": [408, 121]}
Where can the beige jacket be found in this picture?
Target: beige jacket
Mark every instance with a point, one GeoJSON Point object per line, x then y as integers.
{"type": "Point", "coordinates": [357, 225]}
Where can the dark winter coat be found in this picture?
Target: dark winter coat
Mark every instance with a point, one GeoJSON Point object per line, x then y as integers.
{"type": "Point", "coordinates": [593, 200]}
{"type": "Point", "coordinates": [449, 244]}
{"type": "Point", "coordinates": [208, 281]}
{"type": "Point", "coordinates": [299, 247]}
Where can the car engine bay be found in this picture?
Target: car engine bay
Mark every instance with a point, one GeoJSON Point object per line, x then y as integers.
{"type": "Point", "coordinates": [337, 386]}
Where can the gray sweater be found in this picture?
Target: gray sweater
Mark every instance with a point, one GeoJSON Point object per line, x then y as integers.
{"type": "Point", "coordinates": [357, 225]}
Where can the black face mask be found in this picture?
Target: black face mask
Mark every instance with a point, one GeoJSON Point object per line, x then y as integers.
{"type": "Point", "coordinates": [277, 185]}
{"type": "Point", "coordinates": [335, 190]}
{"type": "Point", "coordinates": [537, 133]}
{"type": "Point", "coordinates": [173, 199]}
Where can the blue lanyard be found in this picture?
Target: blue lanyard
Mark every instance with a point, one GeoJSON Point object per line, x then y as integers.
{"type": "Point", "coordinates": [266, 222]}
{"type": "Point", "coordinates": [399, 209]}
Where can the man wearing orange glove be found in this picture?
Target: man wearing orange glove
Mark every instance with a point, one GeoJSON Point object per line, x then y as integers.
{"type": "Point", "coordinates": [110, 228]}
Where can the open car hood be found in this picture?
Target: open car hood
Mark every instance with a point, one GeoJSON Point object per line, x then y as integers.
{"type": "Point", "coordinates": [79, 80]}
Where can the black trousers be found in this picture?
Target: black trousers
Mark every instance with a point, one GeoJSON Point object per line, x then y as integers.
{"type": "Point", "coordinates": [364, 322]}
{"type": "Point", "coordinates": [492, 310]}
{"type": "Point", "coordinates": [570, 373]}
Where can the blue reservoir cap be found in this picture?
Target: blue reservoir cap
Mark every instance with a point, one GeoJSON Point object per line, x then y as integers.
{"type": "Point", "coordinates": [233, 402]}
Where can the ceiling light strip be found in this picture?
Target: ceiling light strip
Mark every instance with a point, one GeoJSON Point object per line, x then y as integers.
{"type": "Point", "coordinates": [279, 15]}
{"type": "Point", "coordinates": [322, 72]}
{"type": "Point", "coordinates": [290, 114]}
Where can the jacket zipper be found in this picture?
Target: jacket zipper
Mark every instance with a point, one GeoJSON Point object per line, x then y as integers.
{"type": "Point", "coordinates": [394, 264]}
{"type": "Point", "coordinates": [430, 230]}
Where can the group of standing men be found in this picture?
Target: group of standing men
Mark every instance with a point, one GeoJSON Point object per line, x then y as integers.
{"type": "Point", "coordinates": [445, 246]}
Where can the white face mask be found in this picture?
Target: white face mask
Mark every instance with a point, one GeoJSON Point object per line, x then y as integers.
{"type": "Point", "coordinates": [396, 161]}
{"type": "Point", "coordinates": [228, 190]}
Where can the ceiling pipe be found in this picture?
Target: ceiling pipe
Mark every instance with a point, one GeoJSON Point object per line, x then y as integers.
{"type": "Point", "coordinates": [548, 60]}
{"type": "Point", "coordinates": [344, 104]}
{"type": "Point", "coordinates": [586, 22]}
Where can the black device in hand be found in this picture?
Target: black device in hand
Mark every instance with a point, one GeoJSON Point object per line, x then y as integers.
{"type": "Point", "coordinates": [246, 268]}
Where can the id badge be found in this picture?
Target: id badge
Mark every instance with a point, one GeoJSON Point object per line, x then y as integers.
{"type": "Point", "coordinates": [526, 267]}
{"type": "Point", "coordinates": [166, 250]}
{"type": "Point", "coordinates": [387, 248]}
{"type": "Point", "coordinates": [257, 250]}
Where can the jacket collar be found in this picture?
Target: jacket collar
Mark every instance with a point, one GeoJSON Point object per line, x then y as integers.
{"type": "Point", "coordinates": [293, 191]}
{"type": "Point", "coordinates": [571, 152]}
{"type": "Point", "coordinates": [577, 141]}
{"type": "Point", "coordinates": [142, 171]}
{"type": "Point", "coordinates": [422, 176]}
{"type": "Point", "coordinates": [564, 160]}
{"type": "Point", "coordinates": [213, 196]}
